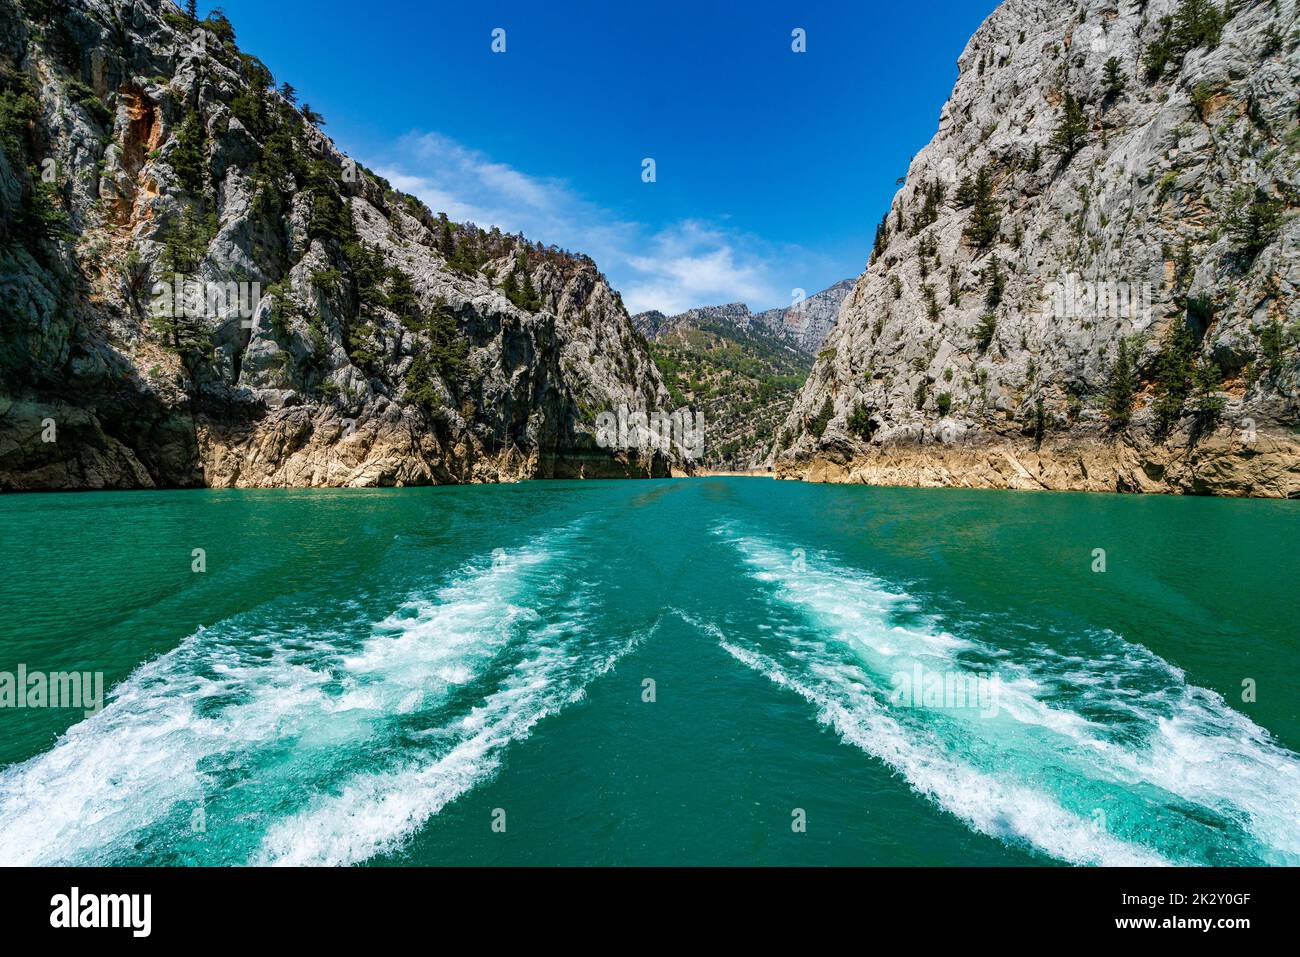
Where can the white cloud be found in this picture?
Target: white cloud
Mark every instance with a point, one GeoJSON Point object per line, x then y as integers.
{"type": "Point", "coordinates": [670, 267]}
{"type": "Point", "coordinates": [692, 264]}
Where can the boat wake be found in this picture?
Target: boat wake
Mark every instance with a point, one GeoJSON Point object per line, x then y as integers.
{"type": "Point", "coordinates": [1094, 751]}
{"type": "Point", "coordinates": [325, 743]}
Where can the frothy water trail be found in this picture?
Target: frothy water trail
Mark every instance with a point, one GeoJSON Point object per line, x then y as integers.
{"type": "Point", "coordinates": [1090, 749]}
{"type": "Point", "coordinates": [229, 748]}
{"type": "Point", "coordinates": [374, 812]}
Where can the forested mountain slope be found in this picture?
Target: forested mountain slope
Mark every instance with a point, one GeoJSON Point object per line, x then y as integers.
{"type": "Point", "coordinates": [198, 288]}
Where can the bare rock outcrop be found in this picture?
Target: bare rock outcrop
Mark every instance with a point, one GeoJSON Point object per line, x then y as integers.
{"type": "Point", "coordinates": [1089, 279]}
{"type": "Point", "coordinates": [198, 288]}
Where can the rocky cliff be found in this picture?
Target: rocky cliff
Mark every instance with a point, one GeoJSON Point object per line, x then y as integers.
{"type": "Point", "coordinates": [198, 288]}
{"type": "Point", "coordinates": [809, 321]}
{"type": "Point", "coordinates": [1089, 279]}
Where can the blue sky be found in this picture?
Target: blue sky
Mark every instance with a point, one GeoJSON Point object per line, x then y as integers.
{"type": "Point", "coordinates": [772, 167]}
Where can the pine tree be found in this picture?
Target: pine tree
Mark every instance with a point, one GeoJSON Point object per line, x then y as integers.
{"type": "Point", "coordinates": [1115, 80]}
{"type": "Point", "coordinates": [1252, 220]}
{"type": "Point", "coordinates": [446, 239]}
{"type": "Point", "coordinates": [1173, 375]}
{"type": "Point", "coordinates": [401, 298]}
{"type": "Point", "coordinates": [511, 288]}
{"type": "Point", "coordinates": [965, 195]}
{"type": "Point", "coordinates": [932, 193]}
{"type": "Point", "coordinates": [288, 92]}
{"type": "Point", "coordinates": [1120, 388]}
{"type": "Point", "coordinates": [192, 10]}
{"type": "Point", "coordinates": [823, 419]}
{"type": "Point", "coordinates": [1160, 51]}
{"type": "Point", "coordinates": [189, 159]}
{"type": "Point", "coordinates": [931, 303]}
{"type": "Point", "coordinates": [1072, 130]}
{"type": "Point", "coordinates": [1272, 345]}
{"type": "Point", "coordinates": [882, 238]}
{"type": "Point", "coordinates": [185, 242]}
{"type": "Point", "coordinates": [985, 221]}
{"type": "Point", "coordinates": [1205, 401]}
{"type": "Point", "coordinates": [531, 301]}
{"type": "Point", "coordinates": [860, 423]}
{"type": "Point", "coordinates": [997, 283]}
{"type": "Point", "coordinates": [984, 332]}
{"type": "Point", "coordinates": [1196, 23]}
{"type": "Point", "coordinates": [40, 214]}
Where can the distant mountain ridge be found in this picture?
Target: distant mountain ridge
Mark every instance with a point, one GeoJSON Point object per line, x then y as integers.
{"type": "Point", "coordinates": [809, 322]}
{"type": "Point", "coordinates": [804, 324]}
{"type": "Point", "coordinates": [740, 369]}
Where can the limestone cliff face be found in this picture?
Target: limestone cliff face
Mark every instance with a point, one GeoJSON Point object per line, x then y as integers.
{"type": "Point", "coordinates": [1106, 174]}
{"type": "Point", "coordinates": [337, 332]}
{"type": "Point", "coordinates": [808, 322]}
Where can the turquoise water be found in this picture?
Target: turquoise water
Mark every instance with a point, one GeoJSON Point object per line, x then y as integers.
{"type": "Point", "coordinates": [379, 676]}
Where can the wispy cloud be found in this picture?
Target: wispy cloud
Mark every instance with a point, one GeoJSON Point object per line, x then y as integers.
{"type": "Point", "coordinates": [668, 266]}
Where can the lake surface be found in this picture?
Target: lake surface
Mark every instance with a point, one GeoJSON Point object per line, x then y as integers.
{"type": "Point", "coordinates": [707, 671]}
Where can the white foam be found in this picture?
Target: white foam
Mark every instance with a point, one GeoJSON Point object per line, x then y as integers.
{"type": "Point", "coordinates": [987, 803]}
{"type": "Point", "coordinates": [226, 695]}
{"type": "Point", "coordinates": [120, 770]}
{"type": "Point", "coordinates": [1192, 746]}
{"type": "Point", "coordinates": [376, 812]}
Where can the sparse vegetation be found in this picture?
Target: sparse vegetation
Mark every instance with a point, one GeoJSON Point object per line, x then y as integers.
{"type": "Point", "coordinates": [1121, 386]}
{"type": "Point", "coordinates": [1196, 23]}
{"type": "Point", "coordinates": [823, 418]}
{"type": "Point", "coordinates": [1252, 220]}
{"type": "Point", "coordinates": [85, 97]}
{"type": "Point", "coordinates": [742, 381]}
{"type": "Point", "coordinates": [1071, 129]}
{"type": "Point", "coordinates": [986, 219]}
{"type": "Point", "coordinates": [1202, 95]}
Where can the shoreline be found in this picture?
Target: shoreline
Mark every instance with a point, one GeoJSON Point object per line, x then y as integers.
{"type": "Point", "coordinates": [1221, 467]}
{"type": "Point", "coordinates": [729, 473]}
